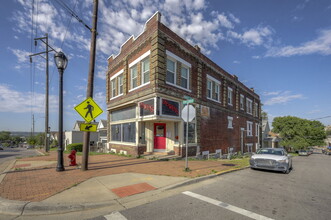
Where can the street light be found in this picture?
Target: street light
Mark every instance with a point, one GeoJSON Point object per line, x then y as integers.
{"type": "Point", "coordinates": [61, 62]}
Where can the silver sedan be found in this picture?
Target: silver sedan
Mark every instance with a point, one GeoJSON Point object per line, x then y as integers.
{"type": "Point", "coordinates": [275, 159]}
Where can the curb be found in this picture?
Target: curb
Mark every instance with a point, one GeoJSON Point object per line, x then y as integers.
{"type": "Point", "coordinates": [199, 179]}
{"type": "Point", "coordinates": [24, 208]}
{"type": "Point", "coordinates": [5, 171]}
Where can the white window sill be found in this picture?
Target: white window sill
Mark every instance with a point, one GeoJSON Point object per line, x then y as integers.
{"type": "Point", "coordinates": [115, 97]}
{"type": "Point", "coordinates": [179, 87]}
{"type": "Point", "coordinates": [139, 86]}
{"type": "Point", "coordinates": [213, 100]}
{"type": "Point", "coordinates": [122, 143]}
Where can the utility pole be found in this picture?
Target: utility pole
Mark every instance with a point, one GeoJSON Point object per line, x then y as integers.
{"type": "Point", "coordinates": [89, 92]}
{"type": "Point", "coordinates": [46, 147]}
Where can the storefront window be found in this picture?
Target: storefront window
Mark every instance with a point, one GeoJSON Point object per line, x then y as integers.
{"type": "Point", "coordinates": [116, 132]}
{"type": "Point", "coordinates": [191, 132]}
{"type": "Point", "coordinates": [146, 108]}
{"type": "Point", "coordinates": [142, 138]}
{"type": "Point", "coordinates": [129, 132]}
{"type": "Point", "coordinates": [170, 108]}
{"type": "Point", "coordinates": [123, 114]}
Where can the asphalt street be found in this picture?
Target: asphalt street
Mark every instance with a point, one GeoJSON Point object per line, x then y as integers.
{"type": "Point", "coordinates": [304, 193]}
{"type": "Point", "coordinates": [9, 154]}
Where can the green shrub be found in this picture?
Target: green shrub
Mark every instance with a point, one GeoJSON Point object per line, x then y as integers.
{"type": "Point", "coordinates": [77, 146]}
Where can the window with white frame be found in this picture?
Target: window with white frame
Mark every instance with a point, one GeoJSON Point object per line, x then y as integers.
{"type": "Point", "coordinates": [249, 128]}
{"type": "Point", "coordinates": [184, 80]}
{"type": "Point", "coordinates": [113, 88]}
{"type": "Point", "coordinates": [174, 72]}
{"type": "Point", "coordinates": [230, 122]}
{"type": "Point", "coordinates": [120, 84]}
{"type": "Point", "coordinates": [213, 88]}
{"type": "Point", "coordinates": [256, 129]}
{"type": "Point", "coordinates": [256, 108]}
{"type": "Point", "coordinates": [134, 77]}
{"type": "Point", "coordinates": [145, 71]}
{"type": "Point", "coordinates": [242, 100]}
{"type": "Point", "coordinates": [230, 93]}
{"type": "Point", "coordinates": [249, 147]}
{"type": "Point", "coordinates": [171, 71]}
{"type": "Point", "coordinates": [249, 106]}
{"type": "Point", "coordinates": [209, 89]}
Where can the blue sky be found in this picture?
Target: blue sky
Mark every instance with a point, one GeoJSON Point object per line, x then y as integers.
{"type": "Point", "coordinates": [281, 48]}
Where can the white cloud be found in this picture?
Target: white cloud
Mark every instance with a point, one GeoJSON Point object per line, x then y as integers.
{"type": "Point", "coordinates": [321, 45]}
{"type": "Point", "coordinates": [271, 93]}
{"type": "Point", "coordinates": [283, 98]}
{"type": "Point", "coordinates": [259, 36]}
{"type": "Point", "coordinates": [236, 61]}
{"type": "Point", "coordinates": [23, 102]}
{"type": "Point", "coordinates": [256, 57]}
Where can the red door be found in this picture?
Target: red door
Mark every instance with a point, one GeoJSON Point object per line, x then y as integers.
{"type": "Point", "coordinates": [159, 136]}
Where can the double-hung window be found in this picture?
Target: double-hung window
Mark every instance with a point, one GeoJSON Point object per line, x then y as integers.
{"type": "Point", "coordinates": [209, 88]}
{"type": "Point", "coordinates": [120, 84]}
{"type": "Point", "coordinates": [230, 122]}
{"type": "Point", "coordinates": [171, 71]}
{"type": "Point", "coordinates": [249, 106]}
{"type": "Point", "coordinates": [213, 88]}
{"type": "Point", "coordinates": [230, 96]}
{"type": "Point", "coordinates": [184, 81]}
{"type": "Point", "coordinates": [134, 77]}
{"type": "Point", "coordinates": [145, 71]}
{"type": "Point", "coordinates": [113, 88]}
{"type": "Point", "coordinates": [256, 108]}
{"type": "Point", "coordinates": [242, 99]}
{"type": "Point", "coordinates": [249, 128]}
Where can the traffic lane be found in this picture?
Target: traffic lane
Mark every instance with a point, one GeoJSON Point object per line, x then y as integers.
{"type": "Point", "coordinates": [304, 193]}
{"type": "Point", "coordinates": [180, 207]}
{"type": "Point", "coordinates": [13, 153]}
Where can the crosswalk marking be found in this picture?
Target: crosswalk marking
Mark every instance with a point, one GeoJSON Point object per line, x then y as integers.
{"type": "Point", "coordinates": [227, 206]}
{"type": "Point", "coordinates": [115, 216]}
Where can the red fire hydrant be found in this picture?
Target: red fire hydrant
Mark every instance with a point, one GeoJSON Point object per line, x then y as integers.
{"type": "Point", "coordinates": [72, 157]}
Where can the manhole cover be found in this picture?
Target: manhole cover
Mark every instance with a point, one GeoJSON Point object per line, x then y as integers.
{"type": "Point", "coordinates": [229, 164]}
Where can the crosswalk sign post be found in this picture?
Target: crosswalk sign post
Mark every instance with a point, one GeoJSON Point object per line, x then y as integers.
{"type": "Point", "coordinates": [88, 109]}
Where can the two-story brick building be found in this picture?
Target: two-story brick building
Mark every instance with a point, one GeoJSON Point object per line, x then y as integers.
{"type": "Point", "coordinates": [146, 84]}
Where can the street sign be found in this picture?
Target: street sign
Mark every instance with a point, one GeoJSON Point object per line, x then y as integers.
{"type": "Point", "coordinates": [187, 97]}
{"type": "Point", "coordinates": [185, 102]}
{"type": "Point", "coordinates": [189, 111]}
{"type": "Point", "coordinates": [88, 109]}
{"type": "Point", "coordinates": [88, 127]}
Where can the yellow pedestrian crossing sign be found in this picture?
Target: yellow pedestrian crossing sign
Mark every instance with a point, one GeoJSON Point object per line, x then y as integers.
{"type": "Point", "coordinates": [88, 109]}
{"type": "Point", "coordinates": [88, 127]}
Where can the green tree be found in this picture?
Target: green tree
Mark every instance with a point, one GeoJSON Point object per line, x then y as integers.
{"type": "Point", "coordinates": [32, 140]}
{"type": "Point", "coordinates": [299, 133]}
{"type": "Point", "coordinates": [4, 136]}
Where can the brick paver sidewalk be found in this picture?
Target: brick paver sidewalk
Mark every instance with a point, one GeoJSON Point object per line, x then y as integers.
{"type": "Point", "coordinates": [39, 183]}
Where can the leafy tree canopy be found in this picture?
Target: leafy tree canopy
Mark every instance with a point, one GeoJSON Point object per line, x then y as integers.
{"type": "Point", "coordinates": [299, 133]}
{"type": "Point", "coordinates": [4, 136]}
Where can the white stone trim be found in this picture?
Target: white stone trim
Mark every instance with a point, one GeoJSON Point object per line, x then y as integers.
{"type": "Point", "coordinates": [139, 59]}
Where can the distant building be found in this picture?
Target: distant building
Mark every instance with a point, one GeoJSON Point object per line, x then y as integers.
{"type": "Point", "coordinates": [269, 138]}
{"type": "Point", "coordinates": [147, 83]}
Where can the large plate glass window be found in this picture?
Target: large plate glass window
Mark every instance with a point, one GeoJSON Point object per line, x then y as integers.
{"type": "Point", "coordinates": [116, 132]}
{"type": "Point", "coordinates": [145, 70]}
{"type": "Point", "coordinates": [129, 132]}
{"type": "Point", "coordinates": [171, 71]}
{"type": "Point", "coordinates": [146, 108]}
{"type": "Point", "coordinates": [123, 114]}
{"type": "Point", "coordinates": [170, 108]}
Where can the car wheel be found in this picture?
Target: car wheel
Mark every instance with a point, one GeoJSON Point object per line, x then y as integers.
{"type": "Point", "coordinates": [286, 171]}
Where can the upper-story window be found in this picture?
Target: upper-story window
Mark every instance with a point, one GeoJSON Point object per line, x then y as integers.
{"type": "Point", "coordinates": [120, 84]}
{"type": "Point", "coordinates": [145, 71]}
{"type": "Point", "coordinates": [113, 88]}
{"type": "Point", "coordinates": [171, 71]}
{"type": "Point", "coordinates": [134, 77]}
{"type": "Point", "coordinates": [139, 69]}
{"type": "Point", "coordinates": [230, 94]}
{"type": "Point", "coordinates": [116, 84]}
{"type": "Point", "coordinates": [249, 106]}
{"type": "Point", "coordinates": [213, 88]}
{"type": "Point", "coordinates": [184, 81]}
{"type": "Point", "coordinates": [230, 122]}
{"type": "Point", "coordinates": [242, 100]}
{"type": "Point", "coordinates": [249, 128]}
{"type": "Point", "coordinates": [178, 72]}
{"type": "Point", "coordinates": [256, 110]}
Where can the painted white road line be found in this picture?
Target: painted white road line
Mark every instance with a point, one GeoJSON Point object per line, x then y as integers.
{"type": "Point", "coordinates": [227, 206]}
{"type": "Point", "coordinates": [115, 216]}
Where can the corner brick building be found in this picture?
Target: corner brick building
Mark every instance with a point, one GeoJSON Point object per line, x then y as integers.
{"type": "Point", "coordinates": [146, 84]}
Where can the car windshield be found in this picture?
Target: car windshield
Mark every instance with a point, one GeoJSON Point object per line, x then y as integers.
{"type": "Point", "coordinates": [270, 151]}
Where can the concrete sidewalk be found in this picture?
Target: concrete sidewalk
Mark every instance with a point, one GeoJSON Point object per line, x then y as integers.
{"type": "Point", "coordinates": [109, 180]}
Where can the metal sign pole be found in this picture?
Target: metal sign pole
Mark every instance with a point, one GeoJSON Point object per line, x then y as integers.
{"type": "Point", "coordinates": [186, 160]}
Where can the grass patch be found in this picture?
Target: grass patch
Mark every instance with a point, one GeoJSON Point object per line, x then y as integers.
{"type": "Point", "coordinates": [240, 163]}
{"type": "Point", "coordinates": [294, 154]}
